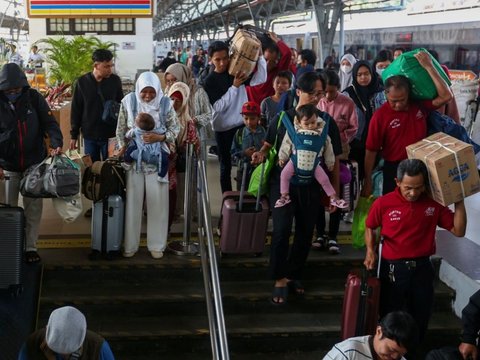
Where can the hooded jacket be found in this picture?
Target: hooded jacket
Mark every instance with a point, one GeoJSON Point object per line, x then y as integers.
{"type": "Point", "coordinates": [24, 124]}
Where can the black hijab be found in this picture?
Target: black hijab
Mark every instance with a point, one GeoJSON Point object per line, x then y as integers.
{"type": "Point", "coordinates": [361, 95]}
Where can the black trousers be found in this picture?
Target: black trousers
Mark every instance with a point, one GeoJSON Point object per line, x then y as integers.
{"type": "Point", "coordinates": [333, 223]}
{"type": "Point", "coordinates": [224, 145]}
{"type": "Point", "coordinates": [389, 175]}
{"type": "Point", "coordinates": [286, 261]}
{"type": "Point", "coordinates": [408, 286]}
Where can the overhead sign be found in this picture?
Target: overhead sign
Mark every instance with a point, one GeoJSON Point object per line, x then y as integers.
{"type": "Point", "coordinates": [462, 74]}
{"type": "Point", "coordinates": [89, 8]}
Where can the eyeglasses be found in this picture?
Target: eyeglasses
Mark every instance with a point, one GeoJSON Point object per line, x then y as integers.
{"type": "Point", "coordinates": [317, 94]}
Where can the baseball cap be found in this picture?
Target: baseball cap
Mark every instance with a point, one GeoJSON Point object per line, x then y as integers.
{"type": "Point", "coordinates": [250, 107]}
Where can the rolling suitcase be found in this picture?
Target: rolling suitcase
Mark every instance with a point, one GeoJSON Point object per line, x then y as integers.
{"type": "Point", "coordinates": [244, 221]}
{"type": "Point", "coordinates": [107, 225]}
{"type": "Point", "coordinates": [350, 192]}
{"type": "Point", "coordinates": [361, 303]}
{"type": "Point", "coordinates": [12, 223]}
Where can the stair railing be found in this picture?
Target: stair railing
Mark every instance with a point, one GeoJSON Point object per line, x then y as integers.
{"type": "Point", "coordinates": [213, 295]}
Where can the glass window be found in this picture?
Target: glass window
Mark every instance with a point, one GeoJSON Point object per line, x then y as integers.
{"type": "Point", "coordinates": [90, 25]}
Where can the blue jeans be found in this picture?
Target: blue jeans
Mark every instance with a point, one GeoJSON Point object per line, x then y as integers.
{"type": "Point", "coordinates": [224, 145]}
{"type": "Point", "coordinates": [97, 149]}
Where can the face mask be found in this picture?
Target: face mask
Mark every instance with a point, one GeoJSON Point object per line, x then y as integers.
{"type": "Point", "coordinates": [379, 71]}
{"type": "Point", "coordinates": [13, 97]}
{"type": "Point", "coordinates": [346, 69]}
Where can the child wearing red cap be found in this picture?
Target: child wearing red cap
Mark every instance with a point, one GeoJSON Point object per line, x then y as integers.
{"type": "Point", "coordinates": [248, 139]}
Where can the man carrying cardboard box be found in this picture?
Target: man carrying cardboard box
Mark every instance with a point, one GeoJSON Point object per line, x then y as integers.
{"type": "Point", "coordinates": [408, 219]}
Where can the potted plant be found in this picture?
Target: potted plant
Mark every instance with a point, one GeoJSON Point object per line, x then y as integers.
{"type": "Point", "coordinates": [67, 59]}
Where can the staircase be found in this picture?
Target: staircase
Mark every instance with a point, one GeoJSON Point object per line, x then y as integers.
{"type": "Point", "coordinates": [155, 309]}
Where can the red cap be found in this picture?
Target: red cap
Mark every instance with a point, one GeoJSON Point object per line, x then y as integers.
{"type": "Point", "coordinates": [250, 107]}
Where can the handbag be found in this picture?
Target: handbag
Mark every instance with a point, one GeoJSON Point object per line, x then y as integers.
{"type": "Point", "coordinates": [257, 180]}
{"type": "Point", "coordinates": [359, 217]}
{"type": "Point", "coordinates": [437, 122]}
{"type": "Point", "coordinates": [111, 109]}
{"type": "Point", "coordinates": [56, 176]}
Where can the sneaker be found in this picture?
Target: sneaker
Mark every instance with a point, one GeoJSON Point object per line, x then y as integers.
{"type": "Point", "coordinates": [128, 254]}
{"type": "Point", "coordinates": [333, 247]}
{"type": "Point", "coordinates": [156, 254]}
{"type": "Point", "coordinates": [320, 243]}
{"type": "Point", "coordinates": [284, 200]}
{"type": "Point", "coordinates": [88, 213]}
{"type": "Point", "coordinates": [348, 217]}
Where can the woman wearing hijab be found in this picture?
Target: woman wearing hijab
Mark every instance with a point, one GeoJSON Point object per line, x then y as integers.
{"type": "Point", "coordinates": [367, 96]}
{"type": "Point", "coordinates": [345, 73]}
{"type": "Point", "coordinates": [147, 98]}
{"type": "Point", "coordinates": [199, 106]}
{"type": "Point", "coordinates": [179, 93]}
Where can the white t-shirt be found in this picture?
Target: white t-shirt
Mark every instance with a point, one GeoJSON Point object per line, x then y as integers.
{"type": "Point", "coordinates": [356, 348]}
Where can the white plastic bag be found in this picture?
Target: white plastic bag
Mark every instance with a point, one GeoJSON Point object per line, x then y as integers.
{"type": "Point", "coordinates": [69, 208]}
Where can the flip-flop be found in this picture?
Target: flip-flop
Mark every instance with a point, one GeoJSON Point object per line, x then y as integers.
{"type": "Point", "coordinates": [296, 287]}
{"type": "Point", "coordinates": [279, 295]}
{"type": "Point", "coordinates": [32, 257]}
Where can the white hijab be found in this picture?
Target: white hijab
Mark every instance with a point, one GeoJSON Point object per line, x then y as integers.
{"type": "Point", "coordinates": [146, 79]}
{"type": "Point", "coordinates": [346, 79]}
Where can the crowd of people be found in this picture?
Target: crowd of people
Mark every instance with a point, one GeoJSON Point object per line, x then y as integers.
{"type": "Point", "coordinates": [349, 115]}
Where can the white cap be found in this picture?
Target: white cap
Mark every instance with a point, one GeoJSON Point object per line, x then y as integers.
{"type": "Point", "coordinates": [66, 330]}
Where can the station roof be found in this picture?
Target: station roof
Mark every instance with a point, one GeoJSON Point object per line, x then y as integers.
{"type": "Point", "coordinates": [179, 19]}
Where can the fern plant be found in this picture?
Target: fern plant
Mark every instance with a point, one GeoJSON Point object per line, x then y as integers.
{"type": "Point", "coordinates": [69, 57]}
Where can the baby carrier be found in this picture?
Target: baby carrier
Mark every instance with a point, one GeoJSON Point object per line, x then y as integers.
{"type": "Point", "coordinates": [305, 158]}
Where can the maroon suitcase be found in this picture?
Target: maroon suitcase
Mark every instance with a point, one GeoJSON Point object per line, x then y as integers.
{"type": "Point", "coordinates": [243, 222]}
{"type": "Point", "coordinates": [360, 305]}
{"type": "Point", "coordinates": [361, 302]}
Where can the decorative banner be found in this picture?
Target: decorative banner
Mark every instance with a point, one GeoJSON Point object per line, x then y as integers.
{"type": "Point", "coordinates": [89, 8]}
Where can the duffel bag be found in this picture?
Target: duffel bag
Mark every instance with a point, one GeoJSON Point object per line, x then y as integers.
{"type": "Point", "coordinates": [56, 176]}
{"type": "Point", "coordinates": [407, 65]}
{"type": "Point", "coordinates": [102, 179]}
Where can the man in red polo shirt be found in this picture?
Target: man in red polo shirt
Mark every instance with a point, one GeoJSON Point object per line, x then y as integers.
{"type": "Point", "coordinates": [400, 122]}
{"type": "Point", "coordinates": [408, 219]}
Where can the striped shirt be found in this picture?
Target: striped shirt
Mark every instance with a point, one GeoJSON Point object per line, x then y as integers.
{"type": "Point", "coordinates": [356, 348]}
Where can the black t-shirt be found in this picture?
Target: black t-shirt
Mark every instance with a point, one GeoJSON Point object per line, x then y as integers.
{"type": "Point", "coordinates": [333, 132]}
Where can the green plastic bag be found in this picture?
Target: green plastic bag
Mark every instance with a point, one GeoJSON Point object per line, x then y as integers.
{"type": "Point", "coordinates": [269, 164]}
{"type": "Point", "coordinates": [257, 174]}
{"type": "Point", "coordinates": [359, 217]}
{"type": "Point", "coordinates": [407, 65]}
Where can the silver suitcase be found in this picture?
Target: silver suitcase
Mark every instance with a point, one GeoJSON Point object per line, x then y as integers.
{"type": "Point", "coordinates": [107, 225]}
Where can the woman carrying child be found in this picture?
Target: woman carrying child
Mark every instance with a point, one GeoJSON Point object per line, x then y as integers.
{"type": "Point", "coordinates": [143, 181]}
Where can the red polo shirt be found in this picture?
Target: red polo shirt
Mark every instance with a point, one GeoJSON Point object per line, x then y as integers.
{"type": "Point", "coordinates": [391, 131]}
{"type": "Point", "coordinates": [408, 227]}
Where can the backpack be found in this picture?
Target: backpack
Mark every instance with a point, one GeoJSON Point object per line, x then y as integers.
{"type": "Point", "coordinates": [306, 147]}
{"type": "Point", "coordinates": [102, 179]}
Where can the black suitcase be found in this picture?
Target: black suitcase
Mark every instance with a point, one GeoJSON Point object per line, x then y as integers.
{"type": "Point", "coordinates": [12, 225]}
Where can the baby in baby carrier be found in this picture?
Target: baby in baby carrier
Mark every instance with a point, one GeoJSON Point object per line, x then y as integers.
{"type": "Point", "coordinates": [301, 152]}
{"type": "Point", "coordinates": [153, 153]}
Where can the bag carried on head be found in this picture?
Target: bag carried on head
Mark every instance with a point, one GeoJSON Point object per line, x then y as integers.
{"type": "Point", "coordinates": [102, 179]}
{"type": "Point", "coordinates": [56, 176]}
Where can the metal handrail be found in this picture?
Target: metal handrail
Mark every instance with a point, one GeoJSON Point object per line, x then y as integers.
{"type": "Point", "coordinates": [213, 295]}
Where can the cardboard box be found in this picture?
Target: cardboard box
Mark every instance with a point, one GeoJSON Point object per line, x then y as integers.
{"type": "Point", "coordinates": [451, 167]}
{"type": "Point", "coordinates": [244, 51]}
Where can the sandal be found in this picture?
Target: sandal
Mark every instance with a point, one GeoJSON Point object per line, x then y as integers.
{"type": "Point", "coordinates": [32, 257]}
{"type": "Point", "coordinates": [284, 200]}
{"type": "Point", "coordinates": [339, 203]}
{"type": "Point", "coordinates": [279, 295]}
{"type": "Point", "coordinates": [296, 287]}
